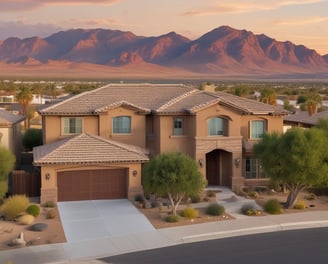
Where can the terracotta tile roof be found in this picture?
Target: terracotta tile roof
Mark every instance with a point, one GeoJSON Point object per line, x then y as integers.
{"type": "Point", "coordinates": [303, 117]}
{"type": "Point", "coordinates": [87, 149]}
{"type": "Point", "coordinates": [7, 118]}
{"type": "Point", "coordinates": [158, 98]}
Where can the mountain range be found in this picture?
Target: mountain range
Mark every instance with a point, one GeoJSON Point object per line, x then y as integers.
{"type": "Point", "coordinates": [222, 51]}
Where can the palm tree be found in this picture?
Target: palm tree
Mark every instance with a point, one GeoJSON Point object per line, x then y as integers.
{"type": "Point", "coordinates": [269, 96]}
{"type": "Point", "coordinates": [313, 101]}
{"type": "Point", "coordinates": [24, 97]}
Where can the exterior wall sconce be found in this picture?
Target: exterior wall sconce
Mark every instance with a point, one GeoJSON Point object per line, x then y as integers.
{"type": "Point", "coordinates": [47, 176]}
{"type": "Point", "coordinates": [201, 163]}
{"type": "Point", "coordinates": [134, 173]}
{"type": "Point", "coordinates": [237, 162]}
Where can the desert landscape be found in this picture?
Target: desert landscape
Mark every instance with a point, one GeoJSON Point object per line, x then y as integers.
{"type": "Point", "coordinates": [54, 232]}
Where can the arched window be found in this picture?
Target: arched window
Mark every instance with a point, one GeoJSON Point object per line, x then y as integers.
{"type": "Point", "coordinates": [218, 126]}
{"type": "Point", "coordinates": [122, 125]}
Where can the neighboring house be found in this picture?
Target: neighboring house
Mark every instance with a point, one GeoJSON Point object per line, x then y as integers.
{"type": "Point", "coordinates": [97, 141]}
{"type": "Point", "coordinates": [10, 134]}
{"type": "Point", "coordinates": [304, 119]}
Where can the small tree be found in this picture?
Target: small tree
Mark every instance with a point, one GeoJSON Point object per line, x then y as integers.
{"type": "Point", "coordinates": [7, 163]}
{"type": "Point", "coordinates": [174, 175]}
{"type": "Point", "coordinates": [32, 138]}
{"type": "Point", "coordinates": [297, 159]}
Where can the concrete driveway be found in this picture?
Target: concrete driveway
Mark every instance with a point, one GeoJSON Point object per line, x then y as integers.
{"type": "Point", "coordinates": [98, 219]}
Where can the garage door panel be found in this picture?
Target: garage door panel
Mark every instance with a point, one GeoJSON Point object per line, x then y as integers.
{"type": "Point", "coordinates": [92, 184]}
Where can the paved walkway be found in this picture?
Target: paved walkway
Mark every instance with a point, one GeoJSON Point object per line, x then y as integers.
{"type": "Point", "coordinates": [87, 251]}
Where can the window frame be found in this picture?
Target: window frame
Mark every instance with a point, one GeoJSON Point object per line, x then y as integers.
{"type": "Point", "coordinates": [256, 135]}
{"type": "Point", "coordinates": [255, 171]}
{"type": "Point", "coordinates": [64, 126]}
{"type": "Point", "coordinates": [121, 129]}
{"type": "Point", "coordinates": [178, 131]}
{"type": "Point", "coordinates": [225, 126]}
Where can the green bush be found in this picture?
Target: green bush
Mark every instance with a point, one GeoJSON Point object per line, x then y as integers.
{"type": "Point", "coordinates": [195, 198]}
{"type": "Point", "coordinates": [32, 138]}
{"type": "Point", "coordinates": [49, 204]}
{"type": "Point", "coordinates": [250, 209]}
{"type": "Point", "coordinates": [172, 218]}
{"type": "Point", "coordinates": [215, 209]}
{"type": "Point", "coordinates": [300, 204]}
{"type": "Point", "coordinates": [13, 206]}
{"type": "Point", "coordinates": [33, 209]}
{"type": "Point", "coordinates": [272, 206]}
{"type": "Point", "coordinates": [190, 213]}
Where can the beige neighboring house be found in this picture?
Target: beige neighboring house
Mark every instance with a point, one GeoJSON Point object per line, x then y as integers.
{"type": "Point", "coordinates": [10, 134]}
{"type": "Point", "coordinates": [304, 119]}
{"type": "Point", "coordinates": [97, 141]}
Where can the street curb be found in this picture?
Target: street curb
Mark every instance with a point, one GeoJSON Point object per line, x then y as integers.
{"type": "Point", "coordinates": [256, 230]}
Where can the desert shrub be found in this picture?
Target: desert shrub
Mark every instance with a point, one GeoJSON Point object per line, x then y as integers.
{"type": "Point", "coordinates": [253, 194]}
{"type": "Point", "coordinates": [51, 214]}
{"type": "Point", "coordinates": [272, 206]}
{"type": "Point", "coordinates": [190, 213]}
{"type": "Point", "coordinates": [195, 198]}
{"type": "Point", "coordinates": [215, 209]}
{"type": "Point", "coordinates": [250, 209]}
{"type": "Point", "coordinates": [13, 206]}
{"type": "Point", "coordinates": [300, 204]}
{"type": "Point", "coordinates": [210, 193]}
{"type": "Point", "coordinates": [33, 209]}
{"type": "Point", "coordinates": [172, 218]}
{"type": "Point", "coordinates": [26, 219]}
{"type": "Point", "coordinates": [49, 204]}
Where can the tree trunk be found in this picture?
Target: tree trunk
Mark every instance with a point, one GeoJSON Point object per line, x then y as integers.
{"type": "Point", "coordinates": [292, 196]}
{"type": "Point", "coordinates": [175, 201]}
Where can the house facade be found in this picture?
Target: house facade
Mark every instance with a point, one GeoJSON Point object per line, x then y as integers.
{"type": "Point", "coordinates": [10, 134]}
{"type": "Point", "coordinates": [105, 135]}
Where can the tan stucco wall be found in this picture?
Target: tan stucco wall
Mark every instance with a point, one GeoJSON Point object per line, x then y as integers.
{"type": "Point", "coordinates": [49, 187]}
{"type": "Point", "coordinates": [167, 142]}
{"type": "Point", "coordinates": [6, 138]}
{"type": "Point", "coordinates": [138, 127]}
{"type": "Point", "coordinates": [52, 127]}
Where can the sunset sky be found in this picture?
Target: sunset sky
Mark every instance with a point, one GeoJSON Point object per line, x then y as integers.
{"type": "Point", "coordinates": [300, 21]}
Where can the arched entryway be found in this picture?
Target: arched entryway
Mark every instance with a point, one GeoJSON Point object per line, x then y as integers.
{"type": "Point", "coordinates": [219, 168]}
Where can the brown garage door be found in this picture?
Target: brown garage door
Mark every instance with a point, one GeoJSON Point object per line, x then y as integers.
{"type": "Point", "coordinates": [92, 184]}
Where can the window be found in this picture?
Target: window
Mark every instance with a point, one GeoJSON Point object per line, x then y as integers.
{"type": "Point", "coordinates": [253, 169]}
{"type": "Point", "coordinates": [258, 128]}
{"type": "Point", "coordinates": [122, 125]}
{"type": "Point", "coordinates": [71, 125]}
{"type": "Point", "coordinates": [217, 126]}
{"type": "Point", "coordinates": [178, 126]}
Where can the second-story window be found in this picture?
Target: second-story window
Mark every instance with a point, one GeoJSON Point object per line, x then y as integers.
{"type": "Point", "coordinates": [178, 126]}
{"type": "Point", "coordinates": [257, 128]}
{"type": "Point", "coordinates": [71, 125]}
{"type": "Point", "coordinates": [122, 125]}
{"type": "Point", "coordinates": [217, 126]}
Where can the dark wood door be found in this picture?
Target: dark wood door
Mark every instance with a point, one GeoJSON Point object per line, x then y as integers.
{"type": "Point", "coordinates": [213, 167]}
{"type": "Point", "coordinates": [92, 184]}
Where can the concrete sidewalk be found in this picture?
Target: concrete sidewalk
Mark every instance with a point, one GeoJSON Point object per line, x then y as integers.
{"type": "Point", "coordinates": [88, 251]}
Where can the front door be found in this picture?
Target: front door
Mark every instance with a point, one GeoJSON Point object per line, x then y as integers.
{"type": "Point", "coordinates": [213, 167]}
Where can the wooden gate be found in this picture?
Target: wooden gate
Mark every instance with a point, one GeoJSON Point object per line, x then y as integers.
{"type": "Point", "coordinates": [23, 182]}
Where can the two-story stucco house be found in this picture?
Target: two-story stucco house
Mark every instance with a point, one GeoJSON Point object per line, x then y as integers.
{"type": "Point", "coordinates": [10, 134]}
{"type": "Point", "coordinates": [97, 141]}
